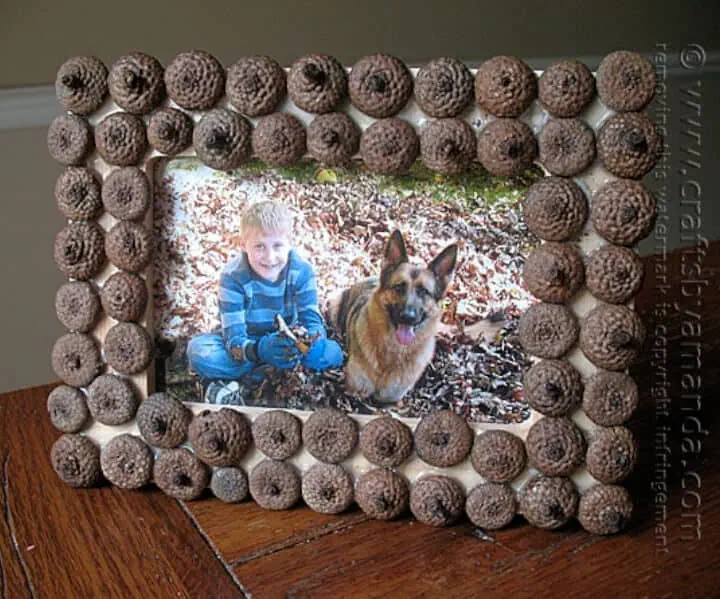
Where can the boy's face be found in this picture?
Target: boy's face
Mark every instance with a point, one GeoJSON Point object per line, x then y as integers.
{"type": "Point", "coordinates": [267, 252]}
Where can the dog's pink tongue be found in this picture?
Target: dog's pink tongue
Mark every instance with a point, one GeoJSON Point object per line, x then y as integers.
{"type": "Point", "coordinates": [404, 334]}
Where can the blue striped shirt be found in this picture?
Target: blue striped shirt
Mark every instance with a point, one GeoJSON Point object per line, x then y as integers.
{"type": "Point", "coordinates": [248, 303]}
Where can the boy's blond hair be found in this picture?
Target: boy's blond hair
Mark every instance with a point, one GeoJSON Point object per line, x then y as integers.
{"type": "Point", "coordinates": [268, 217]}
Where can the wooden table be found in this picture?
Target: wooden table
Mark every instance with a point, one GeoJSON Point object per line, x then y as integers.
{"type": "Point", "coordinates": [60, 542]}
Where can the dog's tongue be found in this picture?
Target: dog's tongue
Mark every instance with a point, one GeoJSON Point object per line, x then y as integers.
{"type": "Point", "coordinates": [404, 334]}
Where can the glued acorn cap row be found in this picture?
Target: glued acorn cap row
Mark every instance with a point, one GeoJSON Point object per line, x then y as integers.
{"type": "Point", "coordinates": [434, 499]}
{"type": "Point", "coordinates": [379, 85]}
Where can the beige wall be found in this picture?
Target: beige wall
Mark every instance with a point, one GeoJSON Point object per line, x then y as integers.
{"type": "Point", "coordinates": [28, 224]}
{"type": "Point", "coordinates": [34, 42]}
{"type": "Point", "coordinates": [35, 37]}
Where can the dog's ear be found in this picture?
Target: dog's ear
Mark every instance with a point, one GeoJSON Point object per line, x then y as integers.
{"type": "Point", "coordinates": [395, 255]}
{"type": "Point", "coordinates": [395, 252]}
{"type": "Point", "coordinates": [443, 266]}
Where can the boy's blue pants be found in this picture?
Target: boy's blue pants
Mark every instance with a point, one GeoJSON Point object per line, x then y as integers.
{"type": "Point", "coordinates": [208, 357]}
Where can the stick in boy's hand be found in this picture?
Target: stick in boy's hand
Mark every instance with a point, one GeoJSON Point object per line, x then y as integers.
{"type": "Point", "coordinates": [284, 329]}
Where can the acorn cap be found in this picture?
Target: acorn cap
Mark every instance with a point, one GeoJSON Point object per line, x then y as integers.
{"type": "Point", "coordinates": [444, 87]}
{"type": "Point", "coordinates": [610, 398]}
{"type": "Point", "coordinates": [382, 494]}
{"type": "Point", "coordinates": [330, 435]}
{"type": "Point", "coordinates": [491, 505]}
{"type": "Point", "coordinates": [76, 460]}
{"type": "Point", "coordinates": [170, 131]}
{"type": "Point", "coordinates": [81, 84]}
{"type": "Point", "coordinates": [553, 387]}
{"type": "Point", "coordinates": [275, 485]}
{"type": "Point", "coordinates": [333, 139]}
{"type": "Point", "coordinates": [614, 274]}
{"type": "Point", "coordinates": [195, 80]}
{"type": "Point", "coordinates": [112, 400]}
{"type": "Point", "coordinates": [79, 250]}
{"type": "Point", "coordinates": [548, 330]}
{"type": "Point", "coordinates": [626, 81]}
{"type": "Point", "coordinates": [128, 246]}
{"type": "Point", "coordinates": [443, 439]}
{"type": "Point", "coordinates": [327, 488]}
{"type": "Point", "coordinates": [163, 421]}
{"type": "Point", "coordinates": [506, 147]}
{"type": "Point", "coordinates": [76, 359]}
{"type": "Point", "coordinates": [230, 484]}
{"type": "Point", "coordinates": [222, 139]}
{"type": "Point", "coordinates": [498, 456]}
{"type": "Point", "coordinates": [256, 85]}
{"type": "Point", "coordinates": [77, 306]}
{"type": "Point", "coordinates": [180, 474]}
{"type": "Point", "coordinates": [605, 509]}
{"type": "Point", "coordinates": [448, 146]}
{"type": "Point", "coordinates": [505, 86]}
{"type": "Point", "coordinates": [77, 193]}
{"type": "Point", "coordinates": [389, 146]}
{"type": "Point", "coordinates": [278, 434]}
{"type": "Point", "coordinates": [317, 83]}
{"type": "Point", "coordinates": [380, 85]}
{"type": "Point", "coordinates": [128, 348]}
{"type": "Point", "coordinates": [386, 441]}
{"type": "Point", "coordinates": [624, 212]}
{"type": "Point", "coordinates": [555, 209]}
{"type": "Point", "coordinates": [549, 502]}
{"type": "Point", "coordinates": [136, 82]}
{"type": "Point", "coordinates": [554, 272]}
{"type": "Point", "coordinates": [612, 454]}
{"type": "Point", "coordinates": [611, 337]}
{"type": "Point", "coordinates": [279, 139]}
{"type": "Point", "coordinates": [124, 296]}
{"type": "Point", "coordinates": [629, 145]}
{"type": "Point", "coordinates": [566, 88]}
{"type": "Point", "coordinates": [126, 193]}
{"type": "Point", "coordinates": [120, 139]}
{"type": "Point", "coordinates": [69, 139]}
{"type": "Point", "coordinates": [555, 446]}
{"type": "Point", "coordinates": [127, 462]}
{"type": "Point", "coordinates": [437, 500]}
{"type": "Point", "coordinates": [220, 438]}
{"type": "Point", "coordinates": [67, 409]}
{"type": "Point", "coordinates": [566, 146]}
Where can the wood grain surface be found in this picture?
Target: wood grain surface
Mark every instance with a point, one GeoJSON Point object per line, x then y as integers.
{"type": "Point", "coordinates": [60, 542]}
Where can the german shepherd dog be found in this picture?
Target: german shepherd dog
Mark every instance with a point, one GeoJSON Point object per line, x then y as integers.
{"type": "Point", "coordinates": [390, 324]}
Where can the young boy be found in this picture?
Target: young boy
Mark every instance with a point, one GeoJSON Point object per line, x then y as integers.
{"type": "Point", "coordinates": [267, 278]}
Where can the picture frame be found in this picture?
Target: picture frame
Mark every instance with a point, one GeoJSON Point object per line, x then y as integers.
{"type": "Point", "coordinates": [559, 462]}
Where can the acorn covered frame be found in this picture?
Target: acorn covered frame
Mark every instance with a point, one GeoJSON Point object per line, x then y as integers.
{"type": "Point", "coordinates": [585, 130]}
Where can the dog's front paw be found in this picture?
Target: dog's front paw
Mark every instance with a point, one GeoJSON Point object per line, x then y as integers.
{"type": "Point", "coordinates": [357, 382]}
{"type": "Point", "coordinates": [359, 388]}
{"type": "Point", "coordinates": [392, 394]}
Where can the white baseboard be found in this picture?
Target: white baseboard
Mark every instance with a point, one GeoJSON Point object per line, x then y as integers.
{"type": "Point", "coordinates": [25, 107]}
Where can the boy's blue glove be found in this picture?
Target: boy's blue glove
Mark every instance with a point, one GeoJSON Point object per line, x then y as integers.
{"type": "Point", "coordinates": [277, 350]}
{"type": "Point", "coordinates": [324, 353]}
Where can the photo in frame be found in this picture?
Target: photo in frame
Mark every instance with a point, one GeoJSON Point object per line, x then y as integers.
{"type": "Point", "coordinates": [521, 404]}
{"type": "Point", "coordinates": [344, 218]}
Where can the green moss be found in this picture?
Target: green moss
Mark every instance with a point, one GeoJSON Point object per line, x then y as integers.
{"type": "Point", "coordinates": [303, 172]}
{"type": "Point", "coordinates": [249, 169]}
{"type": "Point", "coordinates": [183, 164]}
{"type": "Point", "coordinates": [476, 187]}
